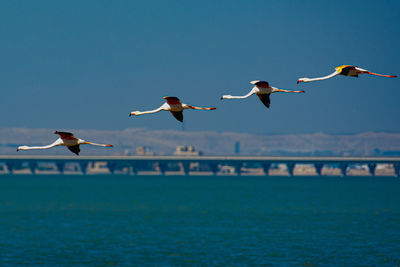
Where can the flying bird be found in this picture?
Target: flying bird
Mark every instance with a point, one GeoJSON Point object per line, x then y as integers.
{"type": "Point", "coordinates": [172, 104]}
{"type": "Point", "coordinates": [263, 90]}
{"type": "Point", "coordinates": [345, 70]}
{"type": "Point", "coordinates": [66, 139]}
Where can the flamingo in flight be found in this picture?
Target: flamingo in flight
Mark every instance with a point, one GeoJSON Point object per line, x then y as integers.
{"type": "Point", "coordinates": [66, 139]}
{"type": "Point", "coordinates": [263, 90]}
{"type": "Point", "coordinates": [345, 70]}
{"type": "Point", "coordinates": [172, 104]}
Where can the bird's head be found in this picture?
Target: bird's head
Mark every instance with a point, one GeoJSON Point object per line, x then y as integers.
{"type": "Point", "coordinates": [226, 97]}
{"type": "Point", "coordinates": [21, 148]}
{"type": "Point", "coordinates": [304, 80]}
{"type": "Point", "coordinates": [134, 113]}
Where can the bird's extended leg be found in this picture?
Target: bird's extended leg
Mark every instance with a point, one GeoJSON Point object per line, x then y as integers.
{"type": "Point", "coordinates": [373, 73]}
{"type": "Point", "coordinates": [274, 90]}
{"type": "Point", "coordinates": [382, 75]}
{"type": "Point", "coordinates": [202, 108]}
{"type": "Point", "coordinates": [95, 144]}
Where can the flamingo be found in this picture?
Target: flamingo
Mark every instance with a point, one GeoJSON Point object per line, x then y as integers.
{"type": "Point", "coordinates": [172, 104]}
{"type": "Point", "coordinates": [65, 139]}
{"type": "Point", "coordinates": [263, 90]}
{"type": "Point", "coordinates": [346, 70]}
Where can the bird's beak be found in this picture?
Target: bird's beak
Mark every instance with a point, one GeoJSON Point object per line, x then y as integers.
{"type": "Point", "coordinates": [298, 81]}
{"type": "Point", "coordinates": [109, 145]}
{"type": "Point", "coordinates": [130, 114]}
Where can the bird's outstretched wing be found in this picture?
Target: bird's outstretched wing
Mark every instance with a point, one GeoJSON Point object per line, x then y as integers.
{"type": "Point", "coordinates": [74, 149]}
{"type": "Point", "coordinates": [265, 99]}
{"type": "Point", "coordinates": [178, 115]}
{"type": "Point", "coordinates": [171, 100]}
{"type": "Point", "coordinates": [347, 70]}
{"type": "Point", "coordinates": [65, 135]}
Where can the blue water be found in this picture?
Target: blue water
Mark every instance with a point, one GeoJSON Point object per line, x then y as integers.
{"type": "Point", "coordinates": [207, 221]}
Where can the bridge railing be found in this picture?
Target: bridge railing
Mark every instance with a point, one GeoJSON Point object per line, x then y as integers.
{"type": "Point", "coordinates": [204, 164]}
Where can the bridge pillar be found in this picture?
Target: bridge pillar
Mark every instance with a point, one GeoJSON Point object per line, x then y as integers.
{"type": "Point", "coordinates": [135, 167]}
{"type": "Point", "coordinates": [185, 167]}
{"type": "Point", "coordinates": [162, 166]}
{"type": "Point", "coordinates": [290, 167]}
{"type": "Point", "coordinates": [213, 167]}
{"type": "Point", "coordinates": [10, 166]}
{"type": "Point", "coordinates": [32, 166]}
{"type": "Point", "coordinates": [238, 168]}
{"type": "Point", "coordinates": [83, 165]}
{"type": "Point", "coordinates": [372, 167]}
{"type": "Point", "coordinates": [60, 166]}
{"type": "Point", "coordinates": [266, 167]}
{"type": "Point", "coordinates": [343, 168]}
{"type": "Point", "coordinates": [396, 167]}
{"type": "Point", "coordinates": [318, 168]}
{"type": "Point", "coordinates": [111, 165]}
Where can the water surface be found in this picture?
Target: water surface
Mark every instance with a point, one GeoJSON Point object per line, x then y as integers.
{"type": "Point", "coordinates": [168, 221]}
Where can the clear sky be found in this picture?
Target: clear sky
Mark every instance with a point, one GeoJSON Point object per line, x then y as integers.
{"type": "Point", "coordinates": [87, 64]}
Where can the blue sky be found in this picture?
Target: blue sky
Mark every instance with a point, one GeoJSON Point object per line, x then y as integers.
{"type": "Point", "coordinates": [87, 64]}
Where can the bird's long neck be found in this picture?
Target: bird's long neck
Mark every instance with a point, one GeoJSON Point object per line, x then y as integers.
{"type": "Point", "coordinates": [322, 78]}
{"type": "Point", "coordinates": [163, 107]}
{"type": "Point", "coordinates": [239, 97]}
{"type": "Point", "coordinates": [36, 147]}
{"type": "Point", "coordinates": [58, 142]}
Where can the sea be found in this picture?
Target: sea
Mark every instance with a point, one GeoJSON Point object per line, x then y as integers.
{"type": "Point", "coordinates": [120, 220]}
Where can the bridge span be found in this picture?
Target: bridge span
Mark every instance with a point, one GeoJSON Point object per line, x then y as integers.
{"type": "Point", "coordinates": [187, 165]}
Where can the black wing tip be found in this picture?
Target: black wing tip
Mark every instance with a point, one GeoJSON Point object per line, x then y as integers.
{"type": "Point", "coordinates": [74, 149]}
{"type": "Point", "coordinates": [178, 115]}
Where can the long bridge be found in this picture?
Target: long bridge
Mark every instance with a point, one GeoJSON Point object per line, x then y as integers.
{"type": "Point", "coordinates": [187, 165]}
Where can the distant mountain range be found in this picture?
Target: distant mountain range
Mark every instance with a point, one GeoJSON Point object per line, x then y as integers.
{"type": "Point", "coordinates": [163, 142]}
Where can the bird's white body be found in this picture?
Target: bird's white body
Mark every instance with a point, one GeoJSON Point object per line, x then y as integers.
{"type": "Point", "coordinates": [61, 142]}
{"type": "Point", "coordinates": [345, 70]}
{"type": "Point", "coordinates": [66, 139]}
{"type": "Point", "coordinates": [173, 105]}
{"type": "Point", "coordinates": [262, 89]}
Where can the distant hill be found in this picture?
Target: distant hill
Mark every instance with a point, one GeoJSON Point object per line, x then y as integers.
{"type": "Point", "coordinates": [210, 143]}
